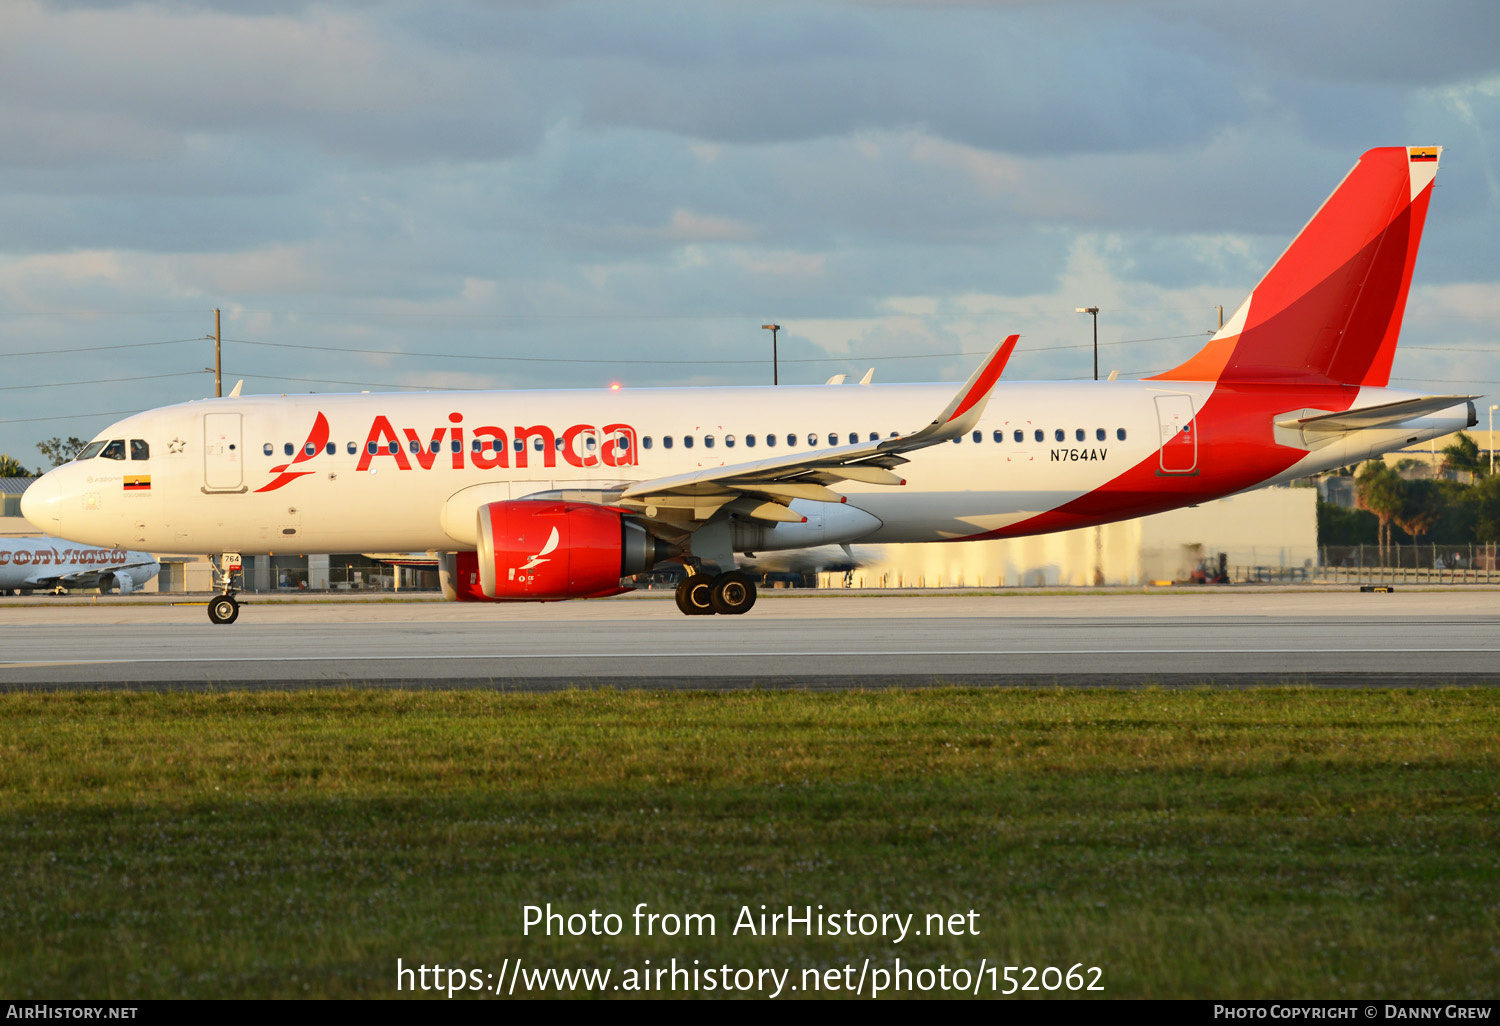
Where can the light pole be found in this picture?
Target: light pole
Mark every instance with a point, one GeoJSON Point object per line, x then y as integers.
{"type": "Point", "coordinates": [773, 329]}
{"type": "Point", "coordinates": [1493, 408]}
{"type": "Point", "coordinates": [1094, 310]}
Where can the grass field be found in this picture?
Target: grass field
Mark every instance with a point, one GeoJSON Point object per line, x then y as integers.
{"type": "Point", "coordinates": [1190, 843]}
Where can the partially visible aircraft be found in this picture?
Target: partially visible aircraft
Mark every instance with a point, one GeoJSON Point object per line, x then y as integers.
{"type": "Point", "coordinates": [52, 564]}
{"type": "Point", "coordinates": [540, 496]}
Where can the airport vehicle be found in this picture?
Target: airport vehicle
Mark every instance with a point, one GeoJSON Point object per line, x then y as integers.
{"type": "Point", "coordinates": [52, 564]}
{"type": "Point", "coordinates": [549, 495]}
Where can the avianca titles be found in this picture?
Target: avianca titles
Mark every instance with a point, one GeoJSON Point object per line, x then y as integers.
{"type": "Point", "coordinates": [548, 495]}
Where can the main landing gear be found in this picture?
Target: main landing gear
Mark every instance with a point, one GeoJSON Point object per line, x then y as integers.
{"type": "Point", "coordinates": [226, 571]}
{"type": "Point", "coordinates": [729, 593]}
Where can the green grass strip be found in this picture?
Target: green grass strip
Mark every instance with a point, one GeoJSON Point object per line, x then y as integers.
{"type": "Point", "coordinates": [1277, 842]}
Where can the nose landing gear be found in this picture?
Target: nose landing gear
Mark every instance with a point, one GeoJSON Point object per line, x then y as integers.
{"type": "Point", "coordinates": [226, 570]}
{"type": "Point", "coordinates": [729, 594]}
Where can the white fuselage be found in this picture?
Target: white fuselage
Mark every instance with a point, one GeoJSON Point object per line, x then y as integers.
{"type": "Point", "coordinates": [27, 563]}
{"type": "Point", "coordinates": [234, 474]}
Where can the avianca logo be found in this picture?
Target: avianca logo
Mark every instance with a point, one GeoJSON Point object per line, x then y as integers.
{"type": "Point", "coordinates": [537, 560]}
{"type": "Point", "coordinates": [487, 447]}
{"type": "Point", "coordinates": [317, 438]}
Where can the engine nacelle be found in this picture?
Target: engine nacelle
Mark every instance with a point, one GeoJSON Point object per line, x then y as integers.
{"type": "Point", "coordinates": [542, 550]}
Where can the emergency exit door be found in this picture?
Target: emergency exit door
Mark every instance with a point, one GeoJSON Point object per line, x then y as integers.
{"type": "Point", "coordinates": [1179, 434]}
{"type": "Point", "coordinates": [223, 453]}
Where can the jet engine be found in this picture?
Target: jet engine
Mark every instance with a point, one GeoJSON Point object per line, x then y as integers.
{"type": "Point", "coordinates": [546, 549]}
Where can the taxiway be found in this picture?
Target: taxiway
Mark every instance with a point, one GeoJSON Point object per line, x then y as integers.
{"type": "Point", "coordinates": [809, 640]}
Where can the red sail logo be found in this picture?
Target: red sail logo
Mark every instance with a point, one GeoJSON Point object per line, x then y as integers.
{"type": "Point", "coordinates": [317, 438]}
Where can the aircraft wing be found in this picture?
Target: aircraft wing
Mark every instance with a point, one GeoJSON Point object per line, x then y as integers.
{"type": "Point", "coordinates": [86, 578]}
{"type": "Point", "coordinates": [763, 489]}
{"type": "Point", "coordinates": [1383, 415]}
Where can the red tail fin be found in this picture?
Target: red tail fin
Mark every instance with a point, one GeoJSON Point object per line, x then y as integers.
{"type": "Point", "coordinates": [1329, 311]}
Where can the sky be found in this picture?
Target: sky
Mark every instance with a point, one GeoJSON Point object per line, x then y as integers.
{"type": "Point", "coordinates": [547, 194]}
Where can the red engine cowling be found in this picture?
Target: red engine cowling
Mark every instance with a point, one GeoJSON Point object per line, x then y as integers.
{"type": "Point", "coordinates": [542, 550]}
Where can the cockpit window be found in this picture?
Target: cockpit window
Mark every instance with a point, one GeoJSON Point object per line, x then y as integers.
{"type": "Point", "coordinates": [91, 450]}
{"type": "Point", "coordinates": [139, 450]}
{"type": "Point", "coordinates": [115, 450]}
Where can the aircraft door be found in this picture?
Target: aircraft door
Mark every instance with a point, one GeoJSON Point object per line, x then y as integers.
{"type": "Point", "coordinates": [223, 453]}
{"type": "Point", "coordinates": [1179, 434]}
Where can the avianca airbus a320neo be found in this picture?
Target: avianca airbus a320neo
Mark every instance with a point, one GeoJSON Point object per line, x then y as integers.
{"type": "Point", "coordinates": [547, 495]}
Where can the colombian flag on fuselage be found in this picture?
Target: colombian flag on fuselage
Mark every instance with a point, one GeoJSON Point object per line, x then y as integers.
{"type": "Point", "coordinates": [137, 482]}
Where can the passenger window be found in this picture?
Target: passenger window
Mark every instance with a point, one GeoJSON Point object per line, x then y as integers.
{"type": "Point", "coordinates": [750, 441]}
{"type": "Point", "coordinates": [393, 447]}
{"type": "Point", "coordinates": [1059, 434]}
{"type": "Point", "coordinates": [957, 439]}
{"type": "Point", "coordinates": [623, 444]}
{"type": "Point", "coordinates": [590, 443]}
{"type": "Point", "coordinates": [833, 438]}
{"type": "Point", "coordinates": [331, 448]}
{"type": "Point", "coordinates": [139, 450]}
{"type": "Point", "coordinates": [1079, 434]}
{"type": "Point", "coordinates": [289, 449]}
{"type": "Point", "coordinates": [414, 445]}
{"type": "Point", "coordinates": [456, 445]}
{"type": "Point", "coordinates": [310, 449]}
{"type": "Point", "coordinates": [436, 445]}
{"type": "Point", "coordinates": [791, 440]}
{"type": "Point", "coordinates": [646, 442]}
{"type": "Point", "coordinates": [771, 441]}
{"type": "Point", "coordinates": [269, 449]}
{"type": "Point", "coordinates": [979, 436]}
{"type": "Point", "coordinates": [687, 441]}
{"type": "Point", "coordinates": [874, 436]}
{"type": "Point", "coordinates": [372, 447]}
{"type": "Point", "coordinates": [537, 444]}
{"type": "Point", "coordinates": [94, 448]}
{"type": "Point", "coordinates": [1120, 434]}
{"type": "Point", "coordinates": [353, 448]}
{"type": "Point", "coordinates": [476, 445]}
{"type": "Point", "coordinates": [1020, 436]}
{"type": "Point", "coordinates": [1099, 435]}
{"type": "Point", "coordinates": [999, 436]}
{"type": "Point", "coordinates": [1041, 436]}
{"type": "Point", "coordinates": [518, 444]}
{"type": "Point", "coordinates": [729, 441]}
{"type": "Point", "coordinates": [812, 439]}
{"type": "Point", "coordinates": [666, 442]}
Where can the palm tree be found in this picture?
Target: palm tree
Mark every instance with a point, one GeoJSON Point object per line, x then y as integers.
{"type": "Point", "coordinates": [1463, 454]}
{"type": "Point", "coordinates": [1377, 488]}
{"type": "Point", "coordinates": [1421, 505]}
{"type": "Point", "coordinates": [11, 467]}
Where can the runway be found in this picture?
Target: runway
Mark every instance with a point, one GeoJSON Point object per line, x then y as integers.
{"type": "Point", "coordinates": [822, 640]}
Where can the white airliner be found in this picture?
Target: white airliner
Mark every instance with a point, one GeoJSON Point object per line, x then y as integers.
{"type": "Point", "coordinates": [48, 564]}
{"type": "Point", "coordinates": [548, 495]}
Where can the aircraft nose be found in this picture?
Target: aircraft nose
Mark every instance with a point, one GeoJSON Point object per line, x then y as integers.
{"type": "Point", "coordinates": [42, 503]}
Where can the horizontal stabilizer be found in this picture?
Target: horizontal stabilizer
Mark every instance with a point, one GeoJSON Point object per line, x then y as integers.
{"type": "Point", "coordinates": [1384, 415]}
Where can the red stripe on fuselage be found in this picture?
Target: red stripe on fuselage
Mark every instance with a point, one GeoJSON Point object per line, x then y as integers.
{"type": "Point", "coordinates": [1237, 449]}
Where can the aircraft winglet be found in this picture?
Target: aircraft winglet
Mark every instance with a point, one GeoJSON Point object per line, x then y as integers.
{"type": "Point", "coordinates": [967, 405]}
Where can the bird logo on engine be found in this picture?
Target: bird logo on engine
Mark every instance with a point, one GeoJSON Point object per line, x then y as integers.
{"type": "Point", "coordinates": [538, 559]}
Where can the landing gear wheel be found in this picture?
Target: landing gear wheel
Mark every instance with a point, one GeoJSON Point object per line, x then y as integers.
{"type": "Point", "coordinates": [223, 609]}
{"type": "Point", "coordinates": [732, 593]}
{"type": "Point", "coordinates": [693, 595]}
